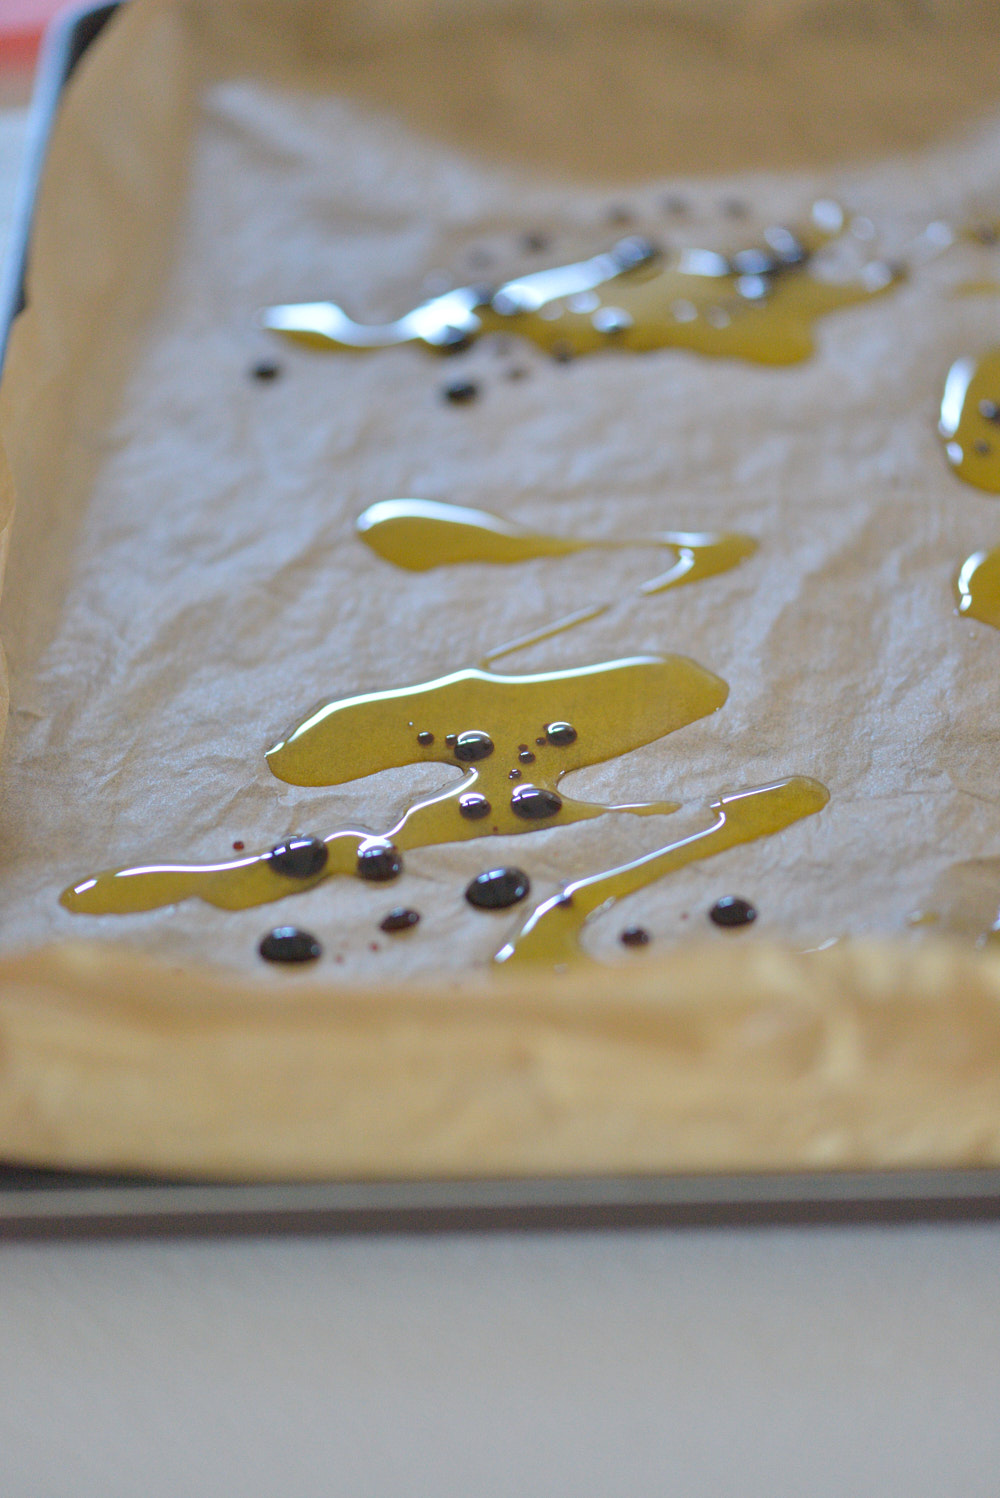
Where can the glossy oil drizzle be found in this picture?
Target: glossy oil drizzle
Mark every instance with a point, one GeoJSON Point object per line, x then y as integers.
{"type": "Point", "coordinates": [419, 534]}
{"type": "Point", "coordinates": [551, 933]}
{"type": "Point", "coordinates": [970, 420]}
{"type": "Point", "coordinates": [478, 722]}
{"type": "Point", "coordinates": [757, 304]}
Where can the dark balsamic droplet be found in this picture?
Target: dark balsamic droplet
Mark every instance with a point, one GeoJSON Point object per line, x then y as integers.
{"type": "Point", "coordinates": [535, 242]}
{"type": "Point", "coordinates": [514, 775]}
{"type": "Point", "coordinates": [985, 234]}
{"type": "Point", "coordinates": [299, 857]}
{"type": "Point", "coordinates": [634, 936]}
{"type": "Point", "coordinates": [982, 448]}
{"type": "Point", "coordinates": [732, 910]}
{"type": "Point", "coordinates": [474, 806]}
{"type": "Point", "coordinates": [400, 919]}
{"type": "Point", "coordinates": [460, 392]}
{"type": "Point", "coordinates": [379, 861]}
{"type": "Point", "coordinates": [424, 737]}
{"type": "Point", "coordinates": [540, 741]}
{"type": "Point", "coordinates": [266, 371]}
{"type": "Point", "coordinates": [473, 746]}
{"type": "Point", "coordinates": [451, 739]}
{"type": "Point", "coordinates": [562, 353]}
{"type": "Point", "coordinates": [534, 803]}
{"type": "Point", "coordinates": [560, 734]}
{"type": "Point", "coordinates": [239, 845]}
{"type": "Point", "coordinates": [289, 944]}
{"type": "Point", "coordinates": [525, 755]}
{"type": "Point", "coordinates": [497, 888]}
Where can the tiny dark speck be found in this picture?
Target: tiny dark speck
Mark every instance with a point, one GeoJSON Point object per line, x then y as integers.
{"type": "Point", "coordinates": [634, 936]}
{"type": "Point", "coordinates": [461, 392]}
{"type": "Point", "coordinates": [266, 371]}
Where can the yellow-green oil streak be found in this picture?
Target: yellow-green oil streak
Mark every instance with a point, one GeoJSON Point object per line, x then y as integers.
{"type": "Point", "coordinates": [551, 934]}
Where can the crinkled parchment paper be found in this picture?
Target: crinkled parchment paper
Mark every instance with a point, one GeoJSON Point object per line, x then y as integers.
{"type": "Point", "coordinates": [184, 581]}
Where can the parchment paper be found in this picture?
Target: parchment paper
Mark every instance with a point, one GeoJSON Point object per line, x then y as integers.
{"type": "Point", "coordinates": [185, 583]}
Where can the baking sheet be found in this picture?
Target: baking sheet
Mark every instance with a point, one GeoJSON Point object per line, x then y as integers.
{"type": "Point", "coordinates": [251, 514]}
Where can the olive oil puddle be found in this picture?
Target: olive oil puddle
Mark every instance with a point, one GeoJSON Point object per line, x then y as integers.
{"type": "Point", "coordinates": [550, 935]}
{"type": "Point", "coordinates": [511, 735]}
{"type": "Point", "coordinates": [757, 304]}
{"type": "Point", "coordinates": [970, 420]}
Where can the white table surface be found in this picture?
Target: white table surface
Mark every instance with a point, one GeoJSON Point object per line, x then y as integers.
{"type": "Point", "coordinates": [819, 1363]}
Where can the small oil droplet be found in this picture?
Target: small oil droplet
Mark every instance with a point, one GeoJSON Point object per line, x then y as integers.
{"type": "Point", "coordinates": [299, 857]}
{"type": "Point", "coordinates": [379, 861]}
{"type": "Point", "coordinates": [289, 944]}
{"type": "Point", "coordinates": [472, 746]}
{"type": "Point", "coordinates": [496, 889]}
{"type": "Point", "coordinates": [732, 910]}
{"type": "Point", "coordinates": [474, 806]}
{"type": "Point", "coordinates": [400, 919]}
{"type": "Point", "coordinates": [535, 803]}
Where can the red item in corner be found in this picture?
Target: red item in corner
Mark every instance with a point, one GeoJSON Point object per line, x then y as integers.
{"type": "Point", "coordinates": [22, 23]}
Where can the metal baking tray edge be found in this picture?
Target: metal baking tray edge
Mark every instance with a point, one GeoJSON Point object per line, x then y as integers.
{"type": "Point", "coordinates": [43, 1203]}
